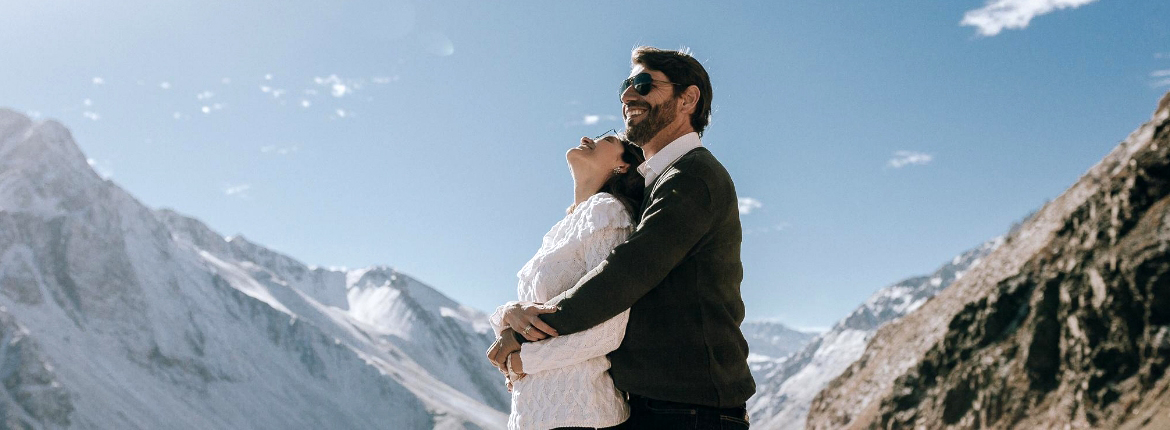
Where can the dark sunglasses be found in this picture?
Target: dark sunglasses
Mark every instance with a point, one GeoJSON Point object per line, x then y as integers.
{"type": "Point", "coordinates": [643, 83]}
{"type": "Point", "coordinates": [612, 131]}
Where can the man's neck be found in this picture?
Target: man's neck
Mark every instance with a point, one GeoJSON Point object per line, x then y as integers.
{"type": "Point", "coordinates": [664, 137]}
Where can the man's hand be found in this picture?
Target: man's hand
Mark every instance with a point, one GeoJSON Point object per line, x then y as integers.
{"type": "Point", "coordinates": [500, 350]}
{"type": "Point", "coordinates": [524, 318]}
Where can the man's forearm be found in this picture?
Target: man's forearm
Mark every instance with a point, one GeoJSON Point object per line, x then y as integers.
{"type": "Point", "coordinates": [670, 228]}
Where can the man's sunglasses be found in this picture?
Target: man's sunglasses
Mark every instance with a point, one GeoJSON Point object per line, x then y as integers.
{"type": "Point", "coordinates": [643, 83]}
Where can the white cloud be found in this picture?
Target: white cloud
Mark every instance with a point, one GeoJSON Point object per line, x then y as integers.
{"type": "Point", "coordinates": [206, 109]}
{"type": "Point", "coordinates": [34, 114]}
{"type": "Point", "coordinates": [997, 15]}
{"type": "Point", "coordinates": [305, 103]}
{"type": "Point", "coordinates": [91, 115]}
{"type": "Point", "coordinates": [384, 79]}
{"type": "Point", "coordinates": [591, 119]}
{"type": "Point", "coordinates": [748, 204]}
{"type": "Point", "coordinates": [273, 149]}
{"type": "Point", "coordinates": [204, 95]}
{"type": "Point", "coordinates": [338, 87]}
{"type": "Point", "coordinates": [87, 102]}
{"type": "Point", "coordinates": [97, 80]}
{"type": "Point", "coordinates": [1161, 83]}
{"type": "Point", "coordinates": [341, 113]}
{"type": "Point", "coordinates": [1160, 73]}
{"type": "Point", "coordinates": [164, 85]}
{"type": "Point", "coordinates": [906, 158]}
{"type": "Point", "coordinates": [226, 81]}
{"type": "Point", "coordinates": [278, 92]}
{"type": "Point", "coordinates": [268, 77]}
{"type": "Point", "coordinates": [265, 88]}
{"type": "Point", "coordinates": [237, 190]}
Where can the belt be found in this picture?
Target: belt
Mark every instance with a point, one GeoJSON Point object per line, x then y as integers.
{"type": "Point", "coordinates": [738, 411]}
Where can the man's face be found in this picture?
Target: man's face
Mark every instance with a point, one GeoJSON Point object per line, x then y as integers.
{"type": "Point", "coordinates": [647, 115]}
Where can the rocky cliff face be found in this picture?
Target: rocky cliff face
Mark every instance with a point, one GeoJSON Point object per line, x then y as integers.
{"type": "Point", "coordinates": [113, 315]}
{"type": "Point", "coordinates": [785, 387]}
{"type": "Point", "coordinates": [1065, 326]}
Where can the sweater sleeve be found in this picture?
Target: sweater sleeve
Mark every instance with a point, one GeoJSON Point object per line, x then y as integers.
{"type": "Point", "coordinates": [608, 228]}
{"type": "Point", "coordinates": [496, 319]}
{"type": "Point", "coordinates": [676, 218]}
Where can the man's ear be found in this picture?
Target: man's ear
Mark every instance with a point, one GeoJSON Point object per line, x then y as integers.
{"type": "Point", "coordinates": [690, 99]}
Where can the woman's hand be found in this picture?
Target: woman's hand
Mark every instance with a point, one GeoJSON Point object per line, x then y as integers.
{"type": "Point", "coordinates": [524, 318]}
{"type": "Point", "coordinates": [516, 370]}
{"type": "Point", "coordinates": [500, 350]}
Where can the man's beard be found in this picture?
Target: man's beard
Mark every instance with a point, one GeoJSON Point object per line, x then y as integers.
{"type": "Point", "coordinates": [657, 118]}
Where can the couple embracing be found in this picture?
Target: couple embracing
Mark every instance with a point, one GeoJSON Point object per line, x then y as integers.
{"type": "Point", "coordinates": [628, 315]}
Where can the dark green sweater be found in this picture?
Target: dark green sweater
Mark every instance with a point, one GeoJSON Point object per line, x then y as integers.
{"type": "Point", "coordinates": [679, 273]}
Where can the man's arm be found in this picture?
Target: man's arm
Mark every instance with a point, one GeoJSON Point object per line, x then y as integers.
{"type": "Point", "coordinates": [679, 214]}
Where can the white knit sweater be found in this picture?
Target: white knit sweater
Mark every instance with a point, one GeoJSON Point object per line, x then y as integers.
{"type": "Point", "coordinates": [568, 383]}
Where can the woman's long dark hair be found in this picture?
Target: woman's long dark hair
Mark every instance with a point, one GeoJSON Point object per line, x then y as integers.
{"type": "Point", "coordinates": [628, 187]}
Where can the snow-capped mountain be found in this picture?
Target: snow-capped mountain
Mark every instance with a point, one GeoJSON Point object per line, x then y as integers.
{"type": "Point", "coordinates": [113, 315]}
{"type": "Point", "coordinates": [1065, 326]}
{"type": "Point", "coordinates": [786, 387]}
{"type": "Point", "coordinates": [770, 340]}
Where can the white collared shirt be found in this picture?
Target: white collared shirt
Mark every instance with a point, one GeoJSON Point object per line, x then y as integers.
{"type": "Point", "coordinates": [654, 166]}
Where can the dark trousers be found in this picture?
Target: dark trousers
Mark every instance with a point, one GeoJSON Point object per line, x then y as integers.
{"type": "Point", "coordinates": [650, 414]}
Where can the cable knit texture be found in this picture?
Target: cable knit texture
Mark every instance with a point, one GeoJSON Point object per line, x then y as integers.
{"type": "Point", "coordinates": [568, 383]}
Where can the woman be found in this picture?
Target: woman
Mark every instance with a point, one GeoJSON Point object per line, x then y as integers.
{"type": "Point", "coordinates": [562, 382]}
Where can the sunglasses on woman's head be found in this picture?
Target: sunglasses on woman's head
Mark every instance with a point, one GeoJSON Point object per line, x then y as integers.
{"type": "Point", "coordinates": [643, 83]}
{"type": "Point", "coordinates": [612, 131]}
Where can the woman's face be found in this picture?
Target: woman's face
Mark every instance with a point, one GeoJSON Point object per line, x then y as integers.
{"type": "Point", "coordinates": [596, 158]}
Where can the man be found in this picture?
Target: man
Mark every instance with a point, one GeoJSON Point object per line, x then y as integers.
{"type": "Point", "coordinates": [683, 362]}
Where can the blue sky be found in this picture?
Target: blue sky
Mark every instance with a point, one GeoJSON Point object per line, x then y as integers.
{"type": "Point", "coordinates": [876, 140]}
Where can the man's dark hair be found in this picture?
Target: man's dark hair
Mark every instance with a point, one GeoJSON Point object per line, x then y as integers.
{"type": "Point", "coordinates": [683, 69]}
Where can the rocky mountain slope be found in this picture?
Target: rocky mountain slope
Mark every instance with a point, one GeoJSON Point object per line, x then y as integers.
{"type": "Point", "coordinates": [786, 387]}
{"type": "Point", "coordinates": [1065, 326]}
{"type": "Point", "coordinates": [770, 340]}
{"type": "Point", "coordinates": [113, 315]}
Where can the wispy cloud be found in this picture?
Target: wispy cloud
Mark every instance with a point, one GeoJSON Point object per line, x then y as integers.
{"type": "Point", "coordinates": [97, 80]}
{"type": "Point", "coordinates": [337, 86]}
{"type": "Point", "coordinates": [164, 85]}
{"type": "Point", "coordinates": [997, 15]}
{"type": "Point", "coordinates": [591, 119]}
{"type": "Point", "coordinates": [273, 149]}
{"type": "Point", "coordinates": [213, 107]}
{"type": "Point", "coordinates": [240, 191]}
{"type": "Point", "coordinates": [748, 204]}
{"type": "Point", "coordinates": [204, 95]}
{"type": "Point", "coordinates": [91, 115]}
{"type": "Point", "coordinates": [1162, 78]}
{"type": "Point", "coordinates": [907, 158]}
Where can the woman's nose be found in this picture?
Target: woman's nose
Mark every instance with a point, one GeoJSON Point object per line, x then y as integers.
{"type": "Point", "coordinates": [585, 139]}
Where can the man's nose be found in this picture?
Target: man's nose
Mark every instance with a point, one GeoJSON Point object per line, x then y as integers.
{"type": "Point", "coordinates": [629, 95]}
